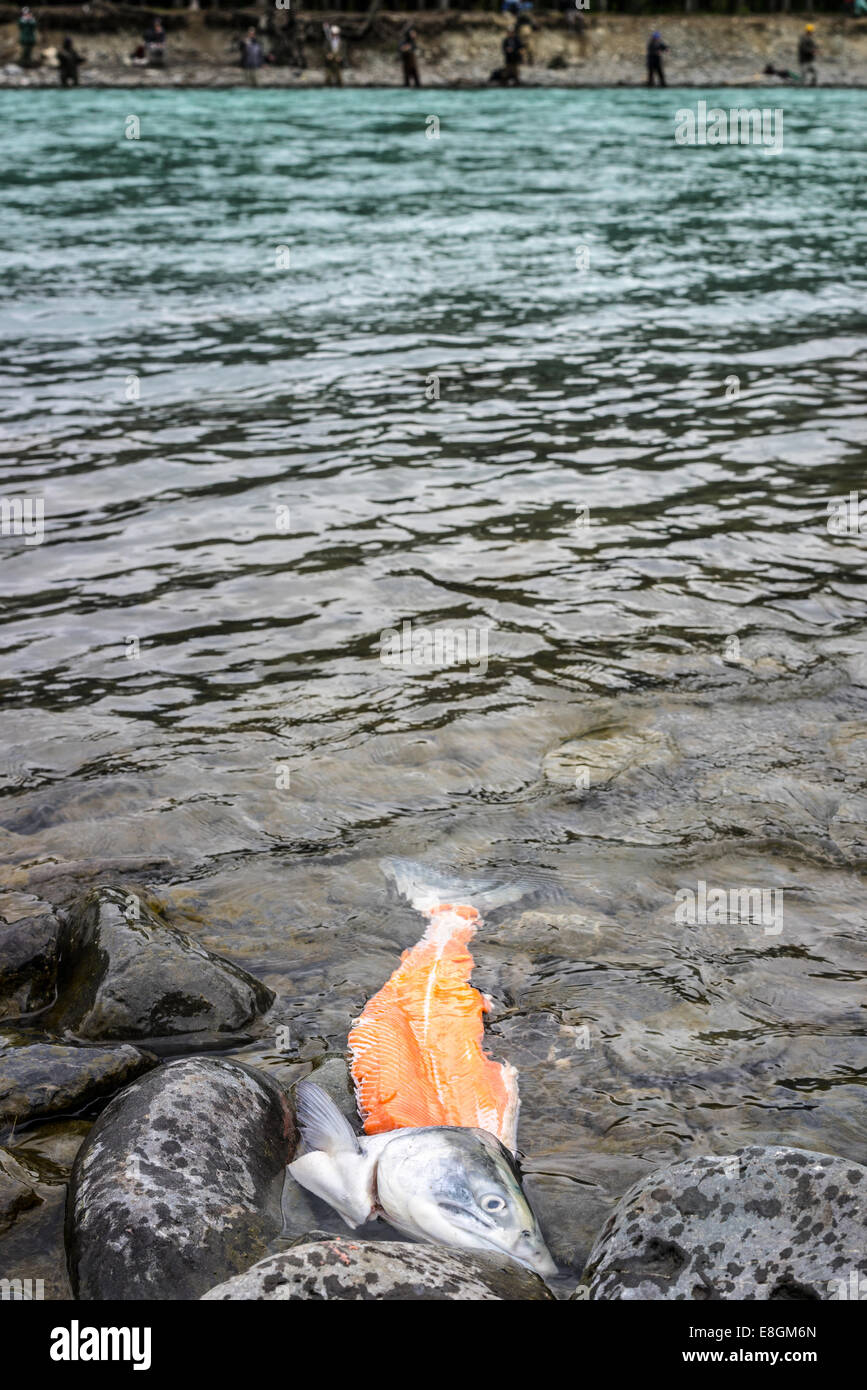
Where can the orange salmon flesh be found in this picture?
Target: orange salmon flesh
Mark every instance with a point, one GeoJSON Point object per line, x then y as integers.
{"type": "Point", "coordinates": [417, 1053]}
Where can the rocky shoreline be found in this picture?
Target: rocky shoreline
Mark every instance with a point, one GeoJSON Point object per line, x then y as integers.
{"type": "Point", "coordinates": [455, 50]}
{"type": "Point", "coordinates": [176, 1169]}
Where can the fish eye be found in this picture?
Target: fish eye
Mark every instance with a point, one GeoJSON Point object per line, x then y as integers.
{"type": "Point", "coordinates": [493, 1203]}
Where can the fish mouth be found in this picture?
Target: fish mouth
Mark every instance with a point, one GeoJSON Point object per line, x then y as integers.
{"type": "Point", "coordinates": [532, 1254]}
{"type": "Point", "coordinates": [539, 1260]}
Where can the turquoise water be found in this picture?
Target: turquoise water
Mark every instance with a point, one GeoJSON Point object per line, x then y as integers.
{"type": "Point", "coordinates": [437, 386]}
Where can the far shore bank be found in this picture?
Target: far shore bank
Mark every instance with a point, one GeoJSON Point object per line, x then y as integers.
{"type": "Point", "coordinates": [454, 50]}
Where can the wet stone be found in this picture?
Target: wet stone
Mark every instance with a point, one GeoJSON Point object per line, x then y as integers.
{"type": "Point", "coordinates": [125, 973]}
{"type": "Point", "coordinates": [178, 1184]}
{"type": "Point", "coordinates": [348, 1269]}
{"type": "Point", "coordinates": [764, 1223]}
{"type": "Point", "coordinates": [28, 964]}
{"type": "Point", "coordinates": [41, 1078]}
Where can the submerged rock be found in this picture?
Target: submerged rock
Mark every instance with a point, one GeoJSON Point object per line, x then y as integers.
{"type": "Point", "coordinates": [765, 1223]}
{"type": "Point", "coordinates": [178, 1184]}
{"type": "Point", "coordinates": [49, 1148]}
{"type": "Point", "coordinates": [16, 1191]}
{"type": "Point", "coordinates": [125, 973]}
{"type": "Point", "coordinates": [39, 1078]}
{"type": "Point", "coordinates": [28, 964]}
{"type": "Point", "coordinates": [32, 1197]}
{"type": "Point", "coordinates": [601, 755]}
{"type": "Point", "coordinates": [344, 1268]}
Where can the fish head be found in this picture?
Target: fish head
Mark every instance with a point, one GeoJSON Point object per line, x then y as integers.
{"type": "Point", "coordinates": [459, 1187]}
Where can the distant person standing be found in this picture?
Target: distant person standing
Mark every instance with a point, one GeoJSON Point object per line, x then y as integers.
{"type": "Point", "coordinates": [406, 49]}
{"type": "Point", "coordinates": [512, 54]}
{"type": "Point", "coordinates": [252, 56]}
{"type": "Point", "coordinates": [525, 29]}
{"type": "Point", "coordinates": [334, 54]}
{"type": "Point", "coordinates": [26, 36]}
{"type": "Point", "coordinates": [69, 62]}
{"type": "Point", "coordinates": [656, 46]}
{"type": "Point", "coordinates": [807, 56]}
{"type": "Point", "coordinates": [155, 44]}
{"type": "Point", "coordinates": [655, 49]}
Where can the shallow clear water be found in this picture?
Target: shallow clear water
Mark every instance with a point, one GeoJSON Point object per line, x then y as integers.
{"type": "Point", "coordinates": [255, 759]}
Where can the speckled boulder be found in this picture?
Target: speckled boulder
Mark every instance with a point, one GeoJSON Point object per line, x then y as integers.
{"type": "Point", "coordinates": [40, 1078]}
{"type": "Point", "coordinates": [125, 973]}
{"type": "Point", "coordinates": [764, 1223]}
{"type": "Point", "coordinates": [178, 1184]}
{"type": "Point", "coordinates": [342, 1268]}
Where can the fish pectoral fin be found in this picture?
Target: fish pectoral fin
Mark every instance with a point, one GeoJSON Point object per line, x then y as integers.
{"type": "Point", "coordinates": [344, 1181]}
{"type": "Point", "coordinates": [321, 1124]}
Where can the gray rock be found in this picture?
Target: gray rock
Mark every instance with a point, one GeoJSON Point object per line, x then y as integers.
{"type": "Point", "coordinates": [39, 1078]}
{"type": "Point", "coordinates": [344, 1268]}
{"type": "Point", "coordinates": [125, 973]}
{"type": "Point", "coordinates": [177, 1187]}
{"type": "Point", "coordinates": [765, 1223]}
{"type": "Point", "coordinates": [28, 964]}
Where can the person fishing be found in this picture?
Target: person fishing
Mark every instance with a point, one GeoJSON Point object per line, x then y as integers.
{"type": "Point", "coordinates": [252, 56]}
{"type": "Point", "coordinates": [334, 54]}
{"type": "Point", "coordinates": [807, 56]}
{"type": "Point", "coordinates": [155, 44]}
{"type": "Point", "coordinates": [513, 52]}
{"type": "Point", "coordinates": [655, 49]}
{"type": "Point", "coordinates": [69, 61]}
{"type": "Point", "coordinates": [525, 30]}
{"type": "Point", "coordinates": [407, 51]}
{"type": "Point", "coordinates": [26, 36]}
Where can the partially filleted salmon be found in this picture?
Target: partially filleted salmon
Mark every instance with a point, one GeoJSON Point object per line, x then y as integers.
{"type": "Point", "coordinates": [440, 1115]}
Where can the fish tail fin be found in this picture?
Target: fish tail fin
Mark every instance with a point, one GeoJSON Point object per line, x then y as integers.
{"type": "Point", "coordinates": [321, 1124]}
{"type": "Point", "coordinates": [426, 888]}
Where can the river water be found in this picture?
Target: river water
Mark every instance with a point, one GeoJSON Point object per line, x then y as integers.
{"type": "Point", "coordinates": [286, 374]}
